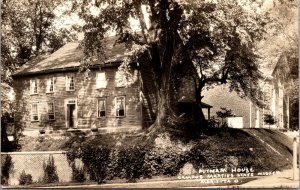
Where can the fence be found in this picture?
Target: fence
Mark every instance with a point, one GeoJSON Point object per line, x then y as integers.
{"type": "Point", "coordinates": [32, 163]}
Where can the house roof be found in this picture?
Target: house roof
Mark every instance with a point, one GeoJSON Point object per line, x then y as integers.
{"type": "Point", "coordinates": [69, 56]}
{"type": "Point", "coordinates": [203, 105]}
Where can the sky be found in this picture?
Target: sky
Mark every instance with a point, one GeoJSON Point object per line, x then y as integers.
{"type": "Point", "coordinates": [67, 21]}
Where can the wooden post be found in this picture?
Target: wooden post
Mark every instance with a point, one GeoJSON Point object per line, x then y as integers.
{"type": "Point", "coordinates": [295, 168]}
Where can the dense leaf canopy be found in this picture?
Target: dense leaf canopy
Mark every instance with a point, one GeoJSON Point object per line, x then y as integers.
{"type": "Point", "coordinates": [217, 37]}
{"type": "Point", "coordinates": [27, 31]}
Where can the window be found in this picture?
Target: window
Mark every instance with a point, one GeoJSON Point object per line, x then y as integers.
{"type": "Point", "coordinates": [125, 78]}
{"type": "Point", "coordinates": [101, 81]}
{"type": "Point", "coordinates": [50, 85]}
{"type": "Point", "coordinates": [34, 112]}
{"type": "Point", "coordinates": [34, 86]}
{"type": "Point", "coordinates": [51, 111]}
{"type": "Point", "coordinates": [120, 79]}
{"type": "Point", "coordinates": [101, 107]}
{"type": "Point", "coordinates": [70, 84]}
{"type": "Point", "coordinates": [120, 106]}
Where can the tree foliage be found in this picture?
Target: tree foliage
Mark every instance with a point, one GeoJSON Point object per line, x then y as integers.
{"type": "Point", "coordinates": [269, 119]}
{"type": "Point", "coordinates": [282, 33]}
{"type": "Point", "coordinates": [224, 112]}
{"type": "Point", "coordinates": [27, 31]}
{"type": "Point", "coordinates": [216, 37]}
{"type": "Point", "coordinates": [282, 40]}
{"type": "Point", "coordinates": [50, 172]}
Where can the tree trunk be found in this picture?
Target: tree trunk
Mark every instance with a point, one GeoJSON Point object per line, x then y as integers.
{"type": "Point", "coordinates": [163, 57]}
{"type": "Point", "coordinates": [162, 108]}
{"type": "Point", "coordinates": [164, 102]}
{"type": "Point", "coordinates": [5, 144]}
{"type": "Point", "coordinates": [199, 116]}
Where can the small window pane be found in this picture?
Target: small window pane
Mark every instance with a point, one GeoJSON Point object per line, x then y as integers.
{"type": "Point", "coordinates": [34, 112]}
{"type": "Point", "coordinates": [34, 87]}
{"type": "Point", "coordinates": [34, 109]}
{"type": "Point", "coordinates": [51, 111]}
{"type": "Point", "coordinates": [35, 118]}
{"type": "Point", "coordinates": [51, 117]}
{"type": "Point", "coordinates": [50, 85]}
{"type": "Point", "coordinates": [101, 107]}
{"type": "Point", "coordinates": [70, 83]}
{"type": "Point", "coordinates": [120, 106]}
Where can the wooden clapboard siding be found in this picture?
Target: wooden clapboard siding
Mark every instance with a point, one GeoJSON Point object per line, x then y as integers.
{"type": "Point", "coordinates": [86, 95]}
{"type": "Point", "coordinates": [147, 93]}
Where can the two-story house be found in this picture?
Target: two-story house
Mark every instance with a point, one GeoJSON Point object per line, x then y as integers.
{"type": "Point", "coordinates": [55, 92]}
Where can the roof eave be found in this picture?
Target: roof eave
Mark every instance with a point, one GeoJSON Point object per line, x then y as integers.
{"type": "Point", "coordinates": [66, 69]}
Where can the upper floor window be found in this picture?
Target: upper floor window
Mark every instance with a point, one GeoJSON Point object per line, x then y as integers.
{"type": "Point", "coordinates": [101, 81]}
{"type": "Point", "coordinates": [120, 106]}
{"type": "Point", "coordinates": [101, 107]}
{"type": "Point", "coordinates": [34, 112]}
{"type": "Point", "coordinates": [70, 83]}
{"type": "Point", "coordinates": [120, 79]}
{"type": "Point", "coordinates": [34, 86]}
{"type": "Point", "coordinates": [50, 85]}
{"type": "Point", "coordinates": [124, 78]}
{"type": "Point", "coordinates": [51, 111]}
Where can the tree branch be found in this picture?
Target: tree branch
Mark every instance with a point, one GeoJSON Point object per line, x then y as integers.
{"type": "Point", "coordinates": [142, 22]}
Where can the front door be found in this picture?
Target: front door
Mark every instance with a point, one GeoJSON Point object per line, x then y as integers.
{"type": "Point", "coordinates": [71, 115]}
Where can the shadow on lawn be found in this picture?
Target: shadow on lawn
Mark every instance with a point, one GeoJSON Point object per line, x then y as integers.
{"type": "Point", "coordinates": [191, 132]}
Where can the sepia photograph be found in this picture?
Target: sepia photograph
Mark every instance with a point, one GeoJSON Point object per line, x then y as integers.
{"type": "Point", "coordinates": [149, 94]}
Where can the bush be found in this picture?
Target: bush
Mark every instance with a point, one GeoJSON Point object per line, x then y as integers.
{"type": "Point", "coordinates": [96, 161]}
{"type": "Point", "coordinates": [78, 174]}
{"type": "Point", "coordinates": [166, 162]}
{"type": "Point", "coordinates": [94, 153]}
{"type": "Point", "coordinates": [50, 173]}
{"type": "Point", "coordinates": [195, 156]}
{"type": "Point", "coordinates": [104, 159]}
{"type": "Point", "coordinates": [166, 157]}
{"type": "Point", "coordinates": [25, 179]}
{"type": "Point", "coordinates": [131, 160]}
{"type": "Point", "coordinates": [6, 167]}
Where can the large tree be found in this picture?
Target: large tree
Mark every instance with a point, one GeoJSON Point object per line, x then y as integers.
{"type": "Point", "coordinates": [27, 31]}
{"type": "Point", "coordinates": [215, 37]}
{"type": "Point", "coordinates": [282, 39]}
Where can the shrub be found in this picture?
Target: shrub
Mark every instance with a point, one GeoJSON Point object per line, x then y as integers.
{"type": "Point", "coordinates": [166, 157]}
{"type": "Point", "coordinates": [167, 162]}
{"type": "Point", "coordinates": [50, 173]}
{"type": "Point", "coordinates": [6, 167]}
{"type": "Point", "coordinates": [25, 179]}
{"type": "Point", "coordinates": [131, 160]}
{"type": "Point", "coordinates": [78, 174]}
{"type": "Point", "coordinates": [196, 156]}
{"type": "Point", "coordinates": [114, 169]}
{"type": "Point", "coordinates": [96, 161]}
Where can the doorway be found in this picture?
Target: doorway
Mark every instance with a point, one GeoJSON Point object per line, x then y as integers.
{"type": "Point", "coordinates": [71, 115]}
